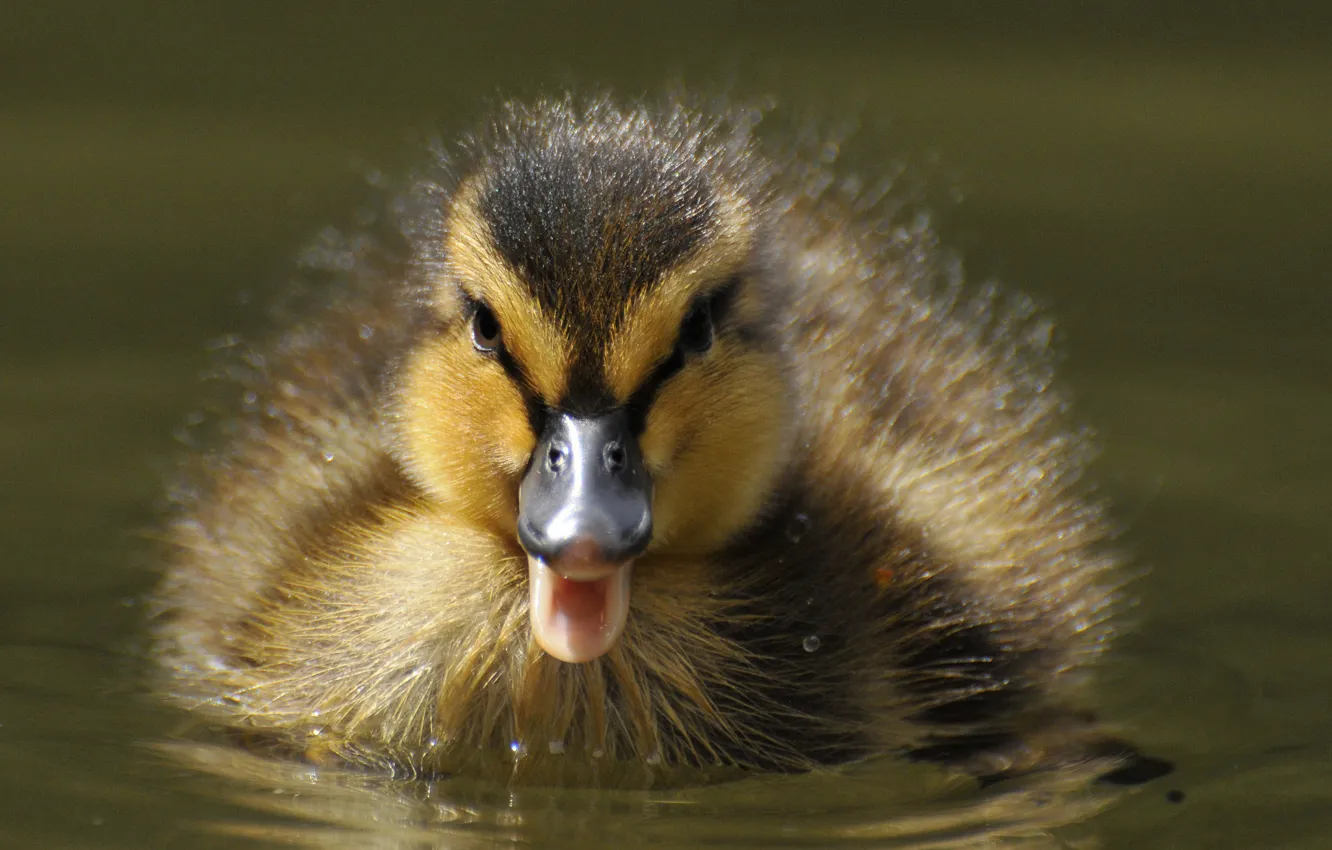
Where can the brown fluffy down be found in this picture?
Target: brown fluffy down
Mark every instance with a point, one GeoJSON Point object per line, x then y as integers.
{"type": "Point", "coordinates": [875, 531]}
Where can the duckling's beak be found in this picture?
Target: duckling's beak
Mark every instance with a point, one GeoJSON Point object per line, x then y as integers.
{"type": "Point", "coordinates": [584, 513]}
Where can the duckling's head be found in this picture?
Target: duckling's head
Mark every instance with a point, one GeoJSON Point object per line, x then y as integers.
{"type": "Point", "coordinates": [602, 379]}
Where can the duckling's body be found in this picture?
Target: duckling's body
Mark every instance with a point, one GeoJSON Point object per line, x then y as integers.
{"type": "Point", "coordinates": [867, 529]}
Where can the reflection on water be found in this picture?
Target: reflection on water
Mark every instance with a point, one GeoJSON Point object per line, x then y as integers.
{"type": "Point", "coordinates": [879, 804]}
{"type": "Point", "coordinates": [1159, 178]}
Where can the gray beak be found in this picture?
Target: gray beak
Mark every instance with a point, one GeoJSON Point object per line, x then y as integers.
{"type": "Point", "coordinates": [586, 493]}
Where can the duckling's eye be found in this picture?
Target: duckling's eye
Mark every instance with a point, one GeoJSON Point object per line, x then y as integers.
{"type": "Point", "coordinates": [485, 329]}
{"type": "Point", "coordinates": [696, 330]}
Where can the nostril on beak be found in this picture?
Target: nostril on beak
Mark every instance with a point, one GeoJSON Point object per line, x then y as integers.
{"type": "Point", "coordinates": [615, 456]}
{"type": "Point", "coordinates": [586, 488]}
{"type": "Point", "coordinates": [556, 457]}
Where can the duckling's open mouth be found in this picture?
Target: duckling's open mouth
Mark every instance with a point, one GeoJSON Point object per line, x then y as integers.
{"type": "Point", "coordinates": [584, 513]}
{"type": "Point", "coordinates": [579, 615]}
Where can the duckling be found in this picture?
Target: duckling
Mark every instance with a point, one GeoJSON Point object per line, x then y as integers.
{"type": "Point", "coordinates": [643, 452]}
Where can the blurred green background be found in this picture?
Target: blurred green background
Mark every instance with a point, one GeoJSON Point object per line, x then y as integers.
{"type": "Point", "coordinates": [1158, 178]}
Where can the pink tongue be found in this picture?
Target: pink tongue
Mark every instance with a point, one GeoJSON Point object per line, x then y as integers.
{"type": "Point", "coordinates": [573, 620]}
{"type": "Point", "coordinates": [582, 602]}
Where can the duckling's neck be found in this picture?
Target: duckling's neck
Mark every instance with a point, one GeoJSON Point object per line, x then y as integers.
{"type": "Point", "coordinates": [680, 687]}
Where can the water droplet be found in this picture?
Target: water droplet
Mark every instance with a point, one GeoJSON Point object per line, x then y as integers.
{"type": "Point", "coordinates": [328, 457]}
{"type": "Point", "coordinates": [365, 332]}
{"type": "Point", "coordinates": [433, 743]}
{"type": "Point", "coordinates": [811, 643]}
{"type": "Point", "coordinates": [654, 757]}
{"type": "Point", "coordinates": [515, 746]}
{"type": "Point", "coordinates": [598, 753]}
{"type": "Point", "coordinates": [797, 527]}
{"type": "Point", "coordinates": [557, 748]}
{"type": "Point", "coordinates": [250, 397]}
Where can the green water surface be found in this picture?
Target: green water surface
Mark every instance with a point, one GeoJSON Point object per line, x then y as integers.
{"type": "Point", "coordinates": [1159, 180]}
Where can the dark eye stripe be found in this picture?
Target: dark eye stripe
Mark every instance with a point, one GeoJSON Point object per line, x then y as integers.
{"type": "Point", "coordinates": [532, 401]}
{"type": "Point", "coordinates": [719, 305]}
{"type": "Point", "coordinates": [641, 401]}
